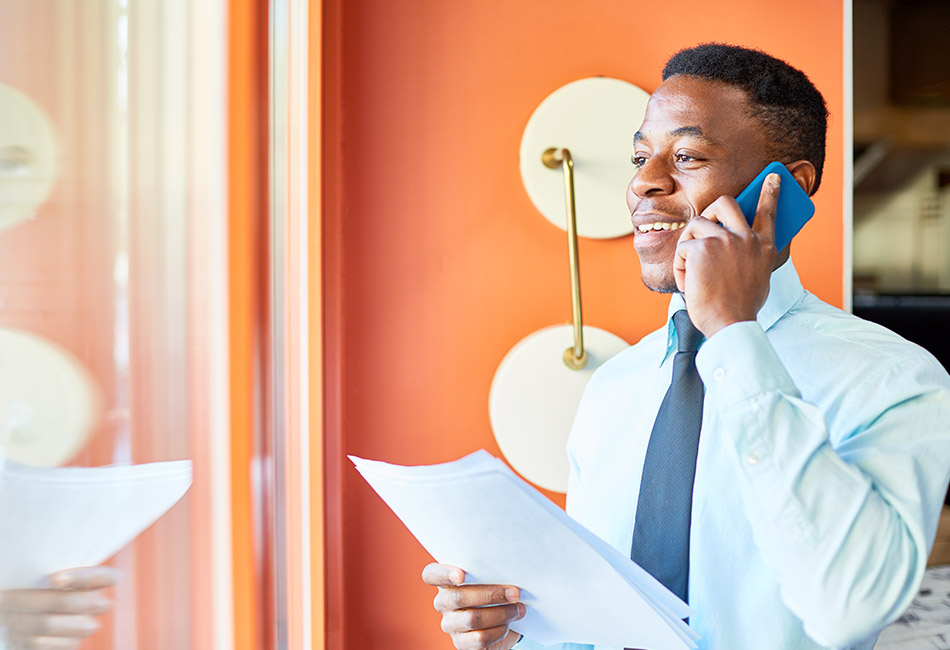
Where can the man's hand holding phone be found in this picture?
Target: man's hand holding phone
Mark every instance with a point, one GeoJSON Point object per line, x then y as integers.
{"type": "Point", "coordinates": [475, 616]}
{"type": "Point", "coordinates": [722, 265]}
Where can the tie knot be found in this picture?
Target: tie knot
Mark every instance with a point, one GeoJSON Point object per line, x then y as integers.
{"type": "Point", "coordinates": [687, 336]}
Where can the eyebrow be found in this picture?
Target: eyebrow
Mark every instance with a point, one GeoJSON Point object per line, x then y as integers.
{"type": "Point", "coordinates": [693, 131]}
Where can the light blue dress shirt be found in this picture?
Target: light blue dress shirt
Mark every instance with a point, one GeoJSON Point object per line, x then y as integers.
{"type": "Point", "coordinates": [823, 464]}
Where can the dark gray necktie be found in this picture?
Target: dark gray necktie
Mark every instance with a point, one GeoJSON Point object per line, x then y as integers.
{"type": "Point", "coordinates": [661, 530]}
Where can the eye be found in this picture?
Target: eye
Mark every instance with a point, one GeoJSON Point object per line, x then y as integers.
{"type": "Point", "coordinates": [688, 157]}
{"type": "Point", "coordinates": [638, 161]}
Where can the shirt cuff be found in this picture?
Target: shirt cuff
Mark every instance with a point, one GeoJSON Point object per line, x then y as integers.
{"type": "Point", "coordinates": [738, 362]}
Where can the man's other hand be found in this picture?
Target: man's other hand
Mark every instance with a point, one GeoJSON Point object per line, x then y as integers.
{"type": "Point", "coordinates": [475, 616]}
{"type": "Point", "coordinates": [58, 617]}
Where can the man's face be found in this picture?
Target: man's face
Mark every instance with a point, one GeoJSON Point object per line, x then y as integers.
{"type": "Point", "coordinates": [697, 143]}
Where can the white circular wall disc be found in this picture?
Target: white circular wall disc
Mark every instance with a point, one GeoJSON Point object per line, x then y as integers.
{"type": "Point", "coordinates": [534, 397]}
{"type": "Point", "coordinates": [595, 119]}
{"type": "Point", "coordinates": [27, 157]}
{"type": "Point", "coordinates": [48, 401]}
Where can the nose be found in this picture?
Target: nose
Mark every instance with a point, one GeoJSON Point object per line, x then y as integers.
{"type": "Point", "coordinates": [652, 178]}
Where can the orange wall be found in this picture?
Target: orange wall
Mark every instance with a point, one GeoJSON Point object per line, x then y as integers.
{"type": "Point", "coordinates": [436, 262]}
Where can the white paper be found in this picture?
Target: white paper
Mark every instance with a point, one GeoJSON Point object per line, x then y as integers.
{"type": "Point", "coordinates": [53, 519]}
{"type": "Point", "coordinates": [475, 513]}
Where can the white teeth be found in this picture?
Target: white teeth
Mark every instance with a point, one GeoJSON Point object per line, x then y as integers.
{"type": "Point", "coordinates": [660, 225]}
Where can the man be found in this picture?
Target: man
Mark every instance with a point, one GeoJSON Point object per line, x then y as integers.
{"type": "Point", "coordinates": [823, 455]}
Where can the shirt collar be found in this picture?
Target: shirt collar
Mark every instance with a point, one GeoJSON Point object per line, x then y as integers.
{"type": "Point", "coordinates": [785, 289]}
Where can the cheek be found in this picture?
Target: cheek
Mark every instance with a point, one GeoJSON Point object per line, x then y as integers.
{"type": "Point", "coordinates": [700, 195]}
{"type": "Point", "coordinates": [697, 198]}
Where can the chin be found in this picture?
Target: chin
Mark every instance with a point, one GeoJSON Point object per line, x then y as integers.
{"type": "Point", "coordinates": [659, 282]}
{"type": "Point", "coordinates": [661, 288]}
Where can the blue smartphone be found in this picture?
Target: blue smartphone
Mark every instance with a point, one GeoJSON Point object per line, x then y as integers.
{"type": "Point", "coordinates": [794, 207]}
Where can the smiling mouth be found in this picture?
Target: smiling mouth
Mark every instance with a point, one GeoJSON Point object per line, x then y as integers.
{"type": "Point", "coordinates": [660, 225]}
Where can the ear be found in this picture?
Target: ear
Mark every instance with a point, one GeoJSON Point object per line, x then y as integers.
{"type": "Point", "coordinates": [805, 173]}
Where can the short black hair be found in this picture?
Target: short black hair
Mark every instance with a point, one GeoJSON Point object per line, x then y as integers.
{"type": "Point", "coordinates": [785, 102]}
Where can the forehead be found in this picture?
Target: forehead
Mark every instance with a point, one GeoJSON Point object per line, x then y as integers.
{"type": "Point", "coordinates": [690, 106]}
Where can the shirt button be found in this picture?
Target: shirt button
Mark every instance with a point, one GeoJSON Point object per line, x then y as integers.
{"type": "Point", "coordinates": [719, 374]}
{"type": "Point", "coordinates": [752, 459]}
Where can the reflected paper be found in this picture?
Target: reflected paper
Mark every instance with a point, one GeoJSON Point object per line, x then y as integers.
{"type": "Point", "coordinates": [61, 518]}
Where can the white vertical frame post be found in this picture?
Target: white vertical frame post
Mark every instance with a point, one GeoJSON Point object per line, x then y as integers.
{"type": "Point", "coordinates": [289, 323]}
{"type": "Point", "coordinates": [208, 300]}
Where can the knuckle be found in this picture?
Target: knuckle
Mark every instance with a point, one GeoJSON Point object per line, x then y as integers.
{"type": "Point", "coordinates": [484, 638]}
{"type": "Point", "coordinates": [59, 625]}
{"type": "Point", "coordinates": [466, 641]}
{"type": "Point", "coordinates": [470, 619]}
{"type": "Point", "coordinates": [10, 600]}
{"type": "Point", "coordinates": [491, 596]}
{"type": "Point", "coordinates": [76, 602]}
{"type": "Point", "coordinates": [452, 624]}
{"type": "Point", "coordinates": [456, 598]}
{"type": "Point", "coordinates": [447, 599]}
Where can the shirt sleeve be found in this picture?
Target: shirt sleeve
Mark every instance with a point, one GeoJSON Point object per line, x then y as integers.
{"type": "Point", "coordinates": [846, 527]}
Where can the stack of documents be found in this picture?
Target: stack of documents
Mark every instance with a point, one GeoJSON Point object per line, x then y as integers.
{"type": "Point", "coordinates": [476, 514]}
{"type": "Point", "coordinates": [63, 518]}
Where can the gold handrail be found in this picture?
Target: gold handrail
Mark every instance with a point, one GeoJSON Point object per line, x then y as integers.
{"type": "Point", "coordinates": [575, 357]}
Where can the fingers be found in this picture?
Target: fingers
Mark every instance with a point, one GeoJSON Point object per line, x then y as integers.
{"type": "Point", "coordinates": [475, 616]}
{"type": "Point", "coordinates": [463, 621]}
{"type": "Point", "coordinates": [466, 596]}
{"type": "Point", "coordinates": [698, 229]}
{"type": "Point", "coordinates": [43, 643]}
{"type": "Point", "coordinates": [701, 227]}
{"type": "Point", "coordinates": [764, 224]}
{"type": "Point", "coordinates": [725, 211]}
{"type": "Point", "coordinates": [30, 624]}
{"type": "Point", "coordinates": [97, 577]}
{"type": "Point", "coordinates": [442, 575]}
{"type": "Point", "coordinates": [484, 639]}
{"type": "Point", "coordinates": [60, 617]}
{"type": "Point", "coordinates": [55, 602]}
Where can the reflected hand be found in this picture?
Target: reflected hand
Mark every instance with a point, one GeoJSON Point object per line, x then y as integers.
{"type": "Point", "coordinates": [58, 617]}
{"type": "Point", "coordinates": [475, 616]}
